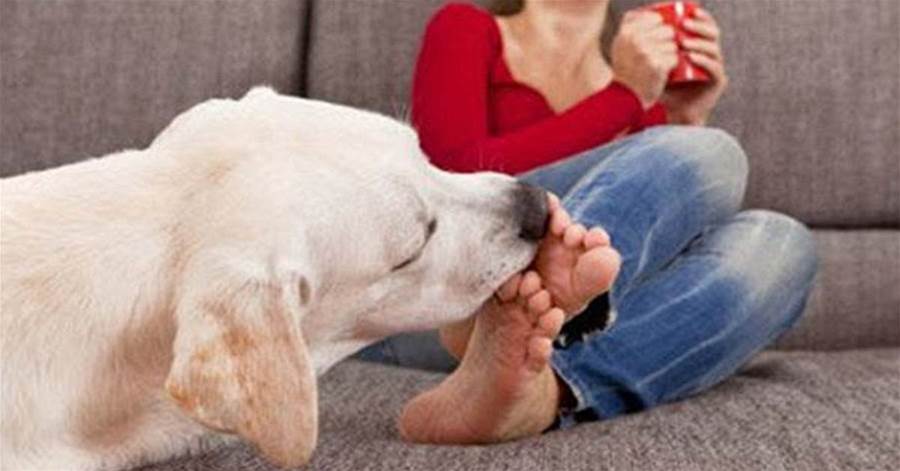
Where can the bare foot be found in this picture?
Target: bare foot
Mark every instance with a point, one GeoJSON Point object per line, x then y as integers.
{"type": "Point", "coordinates": [504, 387]}
{"type": "Point", "coordinates": [576, 264]}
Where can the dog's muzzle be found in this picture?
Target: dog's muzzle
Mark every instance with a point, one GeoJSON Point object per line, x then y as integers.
{"type": "Point", "coordinates": [530, 209]}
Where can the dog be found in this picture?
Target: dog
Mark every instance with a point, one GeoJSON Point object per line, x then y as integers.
{"type": "Point", "coordinates": [182, 296]}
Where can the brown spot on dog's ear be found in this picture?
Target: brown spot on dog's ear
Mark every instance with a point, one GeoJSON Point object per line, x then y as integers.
{"type": "Point", "coordinates": [238, 341]}
{"type": "Point", "coordinates": [181, 397]}
{"type": "Point", "coordinates": [241, 366]}
{"type": "Point", "coordinates": [202, 356]}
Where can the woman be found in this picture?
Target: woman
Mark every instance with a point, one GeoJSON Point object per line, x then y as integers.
{"type": "Point", "coordinates": [697, 286]}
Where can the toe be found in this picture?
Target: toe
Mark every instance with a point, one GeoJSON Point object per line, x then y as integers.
{"type": "Point", "coordinates": [531, 284]}
{"type": "Point", "coordinates": [550, 323]}
{"type": "Point", "coordinates": [595, 271]}
{"type": "Point", "coordinates": [508, 290]}
{"type": "Point", "coordinates": [539, 302]}
{"type": "Point", "coordinates": [574, 235]}
{"type": "Point", "coordinates": [559, 221]}
{"type": "Point", "coordinates": [552, 202]}
{"type": "Point", "coordinates": [595, 238]}
{"type": "Point", "coordinates": [539, 351]}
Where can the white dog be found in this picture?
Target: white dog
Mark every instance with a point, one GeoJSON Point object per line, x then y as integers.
{"type": "Point", "coordinates": [166, 299]}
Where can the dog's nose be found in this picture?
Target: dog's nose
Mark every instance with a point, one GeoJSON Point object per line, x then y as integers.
{"type": "Point", "coordinates": [530, 206]}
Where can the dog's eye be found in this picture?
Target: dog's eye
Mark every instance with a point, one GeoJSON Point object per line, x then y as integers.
{"type": "Point", "coordinates": [429, 231]}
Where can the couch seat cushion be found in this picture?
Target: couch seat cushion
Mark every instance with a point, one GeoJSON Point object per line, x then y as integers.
{"type": "Point", "coordinates": [785, 410]}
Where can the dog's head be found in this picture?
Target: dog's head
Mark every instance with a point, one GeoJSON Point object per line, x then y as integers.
{"type": "Point", "coordinates": [312, 230]}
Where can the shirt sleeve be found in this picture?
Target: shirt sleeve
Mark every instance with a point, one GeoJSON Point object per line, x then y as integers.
{"type": "Point", "coordinates": [654, 116]}
{"type": "Point", "coordinates": [450, 104]}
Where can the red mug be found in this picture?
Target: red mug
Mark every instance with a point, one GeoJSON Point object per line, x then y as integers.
{"type": "Point", "coordinates": [674, 14]}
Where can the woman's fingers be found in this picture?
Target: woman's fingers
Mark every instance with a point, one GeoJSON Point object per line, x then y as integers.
{"type": "Point", "coordinates": [703, 46]}
{"type": "Point", "coordinates": [552, 202]}
{"type": "Point", "coordinates": [704, 15]}
{"type": "Point", "coordinates": [660, 32]}
{"type": "Point", "coordinates": [667, 47]}
{"type": "Point", "coordinates": [705, 28]}
{"type": "Point", "coordinates": [650, 18]}
{"type": "Point", "coordinates": [705, 50]}
{"type": "Point", "coordinates": [664, 50]}
{"type": "Point", "coordinates": [714, 67]}
{"type": "Point", "coordinates": [656, 37]}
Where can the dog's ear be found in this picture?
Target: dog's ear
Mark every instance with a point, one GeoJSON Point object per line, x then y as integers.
{"type": "Point", "coordinates": [241, 365]}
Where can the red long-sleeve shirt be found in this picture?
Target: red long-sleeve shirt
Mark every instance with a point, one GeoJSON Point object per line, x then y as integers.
{"type": "Point", "coordinates": [471, 114]}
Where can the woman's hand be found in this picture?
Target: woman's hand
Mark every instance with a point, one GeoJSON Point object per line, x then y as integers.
{"type": "Point", "coordinates": [643, 53]}
{"type": "Point", "coordinates": [692, 104]}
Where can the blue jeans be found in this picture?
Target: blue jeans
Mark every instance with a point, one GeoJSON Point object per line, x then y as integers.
{"type": "Point", "coordinates": [703, 286]}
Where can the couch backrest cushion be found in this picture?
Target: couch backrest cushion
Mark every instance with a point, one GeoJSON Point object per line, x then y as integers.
{"type": "Point", "coordinates": [363, 53]}
{"type": "Point", "coordinates": [85, 78]}
{"type": "Point", "coordinates": [814, 94]}
{"type": "Point", "coordinates": [855, 302]}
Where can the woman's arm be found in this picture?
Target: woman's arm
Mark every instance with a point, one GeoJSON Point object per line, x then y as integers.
{"type": "Point", "coordinates": [654, 116]}
{"type": "Point", "coordinates": [450, 104]}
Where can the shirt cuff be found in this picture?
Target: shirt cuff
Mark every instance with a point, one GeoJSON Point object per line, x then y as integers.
{"type": "Point", "coordinates": [654, 116]}
{"type": "Point", "coordinates": [627, 100]}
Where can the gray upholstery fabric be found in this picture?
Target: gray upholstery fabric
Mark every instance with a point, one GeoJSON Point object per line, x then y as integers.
{"type": "Point", "coordinates": [814, 93]}
{"type": "Point", "coordinates": [856, 300]}
{"type": "Point", "coordinates": [815, 99]}
{"type": "Point", "coordinates": [362, 53]}
{"type": "Point", "coordinates": [785, 411]}
{"type": "Point", "coordinates": [88, 77]}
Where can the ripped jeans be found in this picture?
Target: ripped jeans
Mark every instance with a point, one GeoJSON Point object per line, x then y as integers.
{"type": "Point", "coordinates": [703, 286]}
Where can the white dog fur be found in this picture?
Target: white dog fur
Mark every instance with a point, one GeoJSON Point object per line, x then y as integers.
{"type": "Point", "coordinates": [167, 299]}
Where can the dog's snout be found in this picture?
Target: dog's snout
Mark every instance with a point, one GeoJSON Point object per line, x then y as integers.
{"type": "Point", "coordinates": [530, 209]}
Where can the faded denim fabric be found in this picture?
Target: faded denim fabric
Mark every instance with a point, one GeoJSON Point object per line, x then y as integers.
{"type": "Point", "coordinates": [703, 285]}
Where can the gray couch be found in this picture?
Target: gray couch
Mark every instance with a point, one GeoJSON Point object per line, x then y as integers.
{"type": "Point", "coordinates": [815, 100]}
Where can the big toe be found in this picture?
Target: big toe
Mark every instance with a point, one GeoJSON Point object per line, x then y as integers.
{"type": "Point", "coordinates": [595, 271]}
